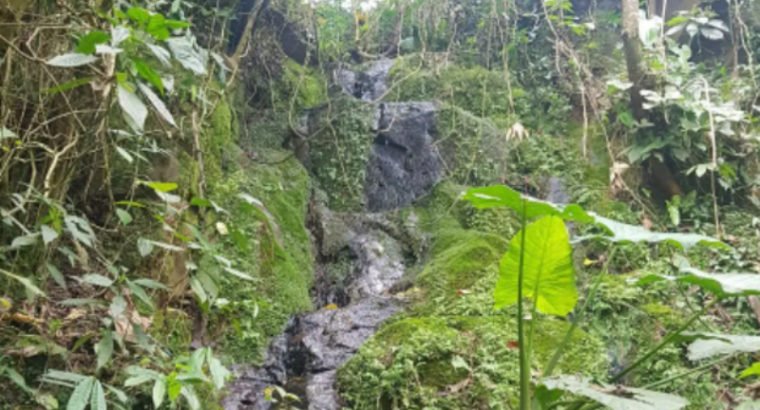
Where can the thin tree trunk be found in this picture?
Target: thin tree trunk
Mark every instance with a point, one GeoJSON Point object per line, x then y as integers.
{"type": "Point", "coordinates": [658, 174]}
{"type": "Point", "coordinates": [633, 55]}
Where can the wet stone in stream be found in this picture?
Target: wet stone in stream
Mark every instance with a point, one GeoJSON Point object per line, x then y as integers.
{"type": "Point", "coordinates": [305, 359]}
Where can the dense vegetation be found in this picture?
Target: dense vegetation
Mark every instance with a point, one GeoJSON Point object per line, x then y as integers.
{"type": "Point", "coordinates": [166, 168]}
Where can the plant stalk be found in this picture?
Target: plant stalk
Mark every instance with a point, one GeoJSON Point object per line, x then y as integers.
{"type": "Point", "coordinates": [664, 342]}
{"type": "Point", "coordinates": [524, 350]}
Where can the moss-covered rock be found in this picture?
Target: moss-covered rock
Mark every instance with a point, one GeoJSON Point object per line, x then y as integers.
{"type": "Point", "coordinates": [339, 151]}
{"type": "Point", "coordinates": [301, 87]}
{"type": "Point", "coordinates": [270, 243]}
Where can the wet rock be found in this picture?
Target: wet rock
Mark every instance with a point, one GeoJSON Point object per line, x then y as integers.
{"type": "Point", "coordinates": [380, 265]}
{"type": "Point", "coordinates": [404, 164]}
{"type": "Point", "coordinates": [369, 85]}
{"type": "Point", "coordinates": [247, 392]}
{"type": "Point", "coordinates": [306, 357]}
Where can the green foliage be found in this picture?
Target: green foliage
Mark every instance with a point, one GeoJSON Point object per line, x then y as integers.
{"type": "Point", "coordinates": [305, 88]}
{"type": "Point", "coordinates": [452, 362]}
{"type": "Point", "coordinates": [276, 237]}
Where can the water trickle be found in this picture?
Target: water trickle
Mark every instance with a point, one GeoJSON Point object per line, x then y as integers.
{"type": "Point", "coordinates": [304, 360]}
{"type": "Point", "coordinates": [404, 165]}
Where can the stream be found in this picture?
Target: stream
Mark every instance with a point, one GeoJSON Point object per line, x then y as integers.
{"type": "Point", "coordinates": [403, 166]}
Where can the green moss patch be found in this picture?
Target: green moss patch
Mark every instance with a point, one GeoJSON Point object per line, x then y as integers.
{"type": "Point", "coordinates": [273, 245]}
{"type": "Point", "coordinates": [455, 362]}
{"type": "Point", "coordinates": [339, 151]}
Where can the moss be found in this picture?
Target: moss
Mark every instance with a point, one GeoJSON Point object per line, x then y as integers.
{"type": "Point", "coordinates": [273, 245]}
{"type": "Point", "coordinates": [219, 140]}
{"type": "Point", "coordinates": [453, 363]}
{"type": "Point", "coordinates": [302, 87]}
{"type": "Point", "coordinates": [173, 329]}
{"type": "Point", "coordinates": [340, 149]}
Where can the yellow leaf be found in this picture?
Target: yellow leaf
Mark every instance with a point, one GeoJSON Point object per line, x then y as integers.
{"type": "Point", "coordinates": [5, 304]}
{"type": "Point", "coordinates": [331, 306]}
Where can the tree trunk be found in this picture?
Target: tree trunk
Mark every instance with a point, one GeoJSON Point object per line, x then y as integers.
{"type": "Point", "coordinates": [657, 173]}
{"type": "Point", "coordinates": [633, 56]}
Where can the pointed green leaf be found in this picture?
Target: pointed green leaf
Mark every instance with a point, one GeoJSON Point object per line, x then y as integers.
{"type": "Point", "coordinates": [16, 378]}
{"type": "Point", "coordinates": [28, 284]}
{"type": "Point", "coordinates": [159, 392]}
{"type": "Point", "coordinates": [501, 196]}
{"type": "Point", "coordinates": [720, 284]}
{"type": "Point", "coordinates": [158, 104]}
{"type": "Point", "coordinates": [144, 246]}
{"type": "Point", "coordinates": [753, 370]}
{"type": "Point", "coordinates": [138, 14]}
{"type": "Point", "coordinates": [124, 217]}
{"type": "Point", "coordinates": [97, 280]}
{"type": "Point", "coordinates": [549, 277]}
{"type": "Point", "coordinates": [71, 60]}
{"type": "Point", "coordinates": [621, 232]}
{"type": "Point", "coordinates": [135, 111]}
{"type": "Point", "coordinates": [98, 397]}
{"type": "Point", "coordinates": [190, 397]}
{"type": "Point", "coordinates": [87, 43]}
{"type": "Point", "coordinates": [150, 283]}
{"type": "Point", "coordinates": [140, 293]}
{"type": "Point", "coordinates": [148, 74]}
{"type": "Point", "coordinates": [24, 240]}
{"type": "Point", "coordinates": [219, 373]}
{"type": "Point", "coordinates": [81, 395]}
{"type": "Point", "coordinates": [162, 186]}
{"type": "Point", "coordinates": [5, 133]}
{"type": "Point", "coordinates": [48, 234]}
{"type": "Point", "coordinates": [56, 275]}
{"type": "Point", "coordinates": [104, 349]}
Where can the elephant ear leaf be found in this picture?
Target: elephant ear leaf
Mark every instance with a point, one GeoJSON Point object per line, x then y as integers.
{"type": "Point", "coordinates": [616, 397]}
{"type": "Point", "coordinates": [710, 345]}
{"type": "Point", "coordinates": [548, 274]}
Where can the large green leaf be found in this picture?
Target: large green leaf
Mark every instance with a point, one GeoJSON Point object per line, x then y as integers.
{"type": "Point", "coordinates": [548, 277]}
{"type": "Point", "coordinates": [98, 397]}
{"type": "Point", "coordinates": [104, 349]}
{"type": "Point", "coordinates": [135, 111]}
{"type": "Point", "coordinates": [616, 397]}
{"type": "Point", "coordinates": [502, 196]}
{"type": "Point", "coordinates": [621, 232]}
{"type": "Point", "coordinates": [716, 344]}
{"type": "Point", "coordinates": [720, 284]}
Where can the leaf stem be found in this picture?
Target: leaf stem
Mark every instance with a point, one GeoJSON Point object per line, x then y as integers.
{"type": "Point", "coordinates": [664, 342]}
{"type": "Point", "coordinates": [524, 350]}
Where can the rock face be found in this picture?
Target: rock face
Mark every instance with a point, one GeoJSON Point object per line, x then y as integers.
{"type": "Point", "coordinates": [369, 85]}
{"type": "Point", "coordinates": [305, 359]}
{"type": "Point", "coordinates": [404, 164]}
